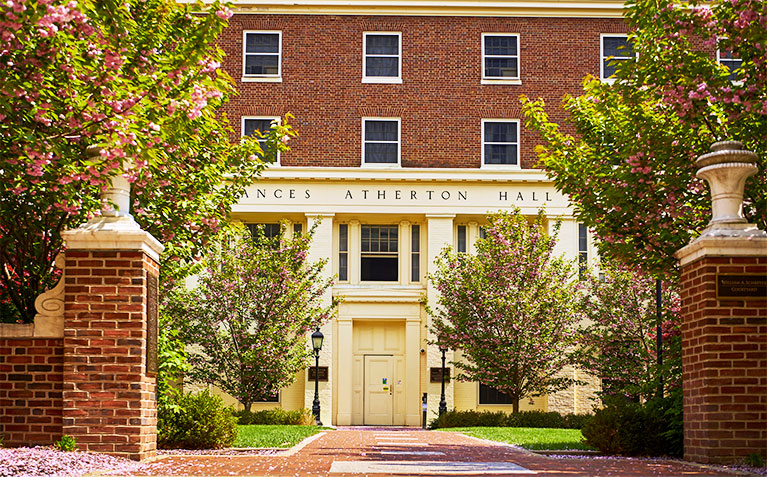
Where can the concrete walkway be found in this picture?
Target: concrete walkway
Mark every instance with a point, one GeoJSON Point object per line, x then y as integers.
{"type": "Point", "coordinates": [393, 451]}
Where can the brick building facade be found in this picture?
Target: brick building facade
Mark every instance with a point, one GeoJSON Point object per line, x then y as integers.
{"type": "Point", "coordinates": [410, 126]}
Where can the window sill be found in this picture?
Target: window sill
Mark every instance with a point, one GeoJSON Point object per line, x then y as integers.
{"type": "Point", "coordinates": [502, 81]}
{"type": "Point", "coordinates": [382, 80]}
{"type": "Point", "coordinates": [501, 166]}
{"type": "Point", "coordinates": [261, 79]}
{"type": "Point", "coordinates": [381, 165]}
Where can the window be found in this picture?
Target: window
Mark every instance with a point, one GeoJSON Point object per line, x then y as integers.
{"type": "Point", "coordinates": [583, 251]}
{"type": "Point", "coordinates": [615, 50]}
{"type": "Point", "coordinates": [273, 398]}
{"type": "Point", "coordinates": [380, 141]}
{"type": "Point", "coordinates": [251, 125]}
{"type": "Point", "coordinates": [728, 59]}
{"type": "Point", "coordinates": [490, 395]}
{"type": "Point", "coordinates": [500, 56]}
{"type": "Point", "coordinates": [415, 253]}
{"type": "Point", "coordinates": [500, 142]}
{"type": "Point", "coordinates": [379, 257]}
{"type": "Point", "coordinates": [262, 55]}
{"type": "Point", "coordinates": [382, 61]}
{"type": "Point", "coordinates": [461, 239]}
{"type": "Point", "coordinates": [343, 252]}
{"type": "Point", "coordinates": [269, 231]}
{"type": "Point", "coordinates": [297, 229]}
{"type": "Point", "coordinates": [482, 232]}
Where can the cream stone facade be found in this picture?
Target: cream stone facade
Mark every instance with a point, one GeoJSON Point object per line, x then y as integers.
{"type": "Point", "coordinates": [376, 348]}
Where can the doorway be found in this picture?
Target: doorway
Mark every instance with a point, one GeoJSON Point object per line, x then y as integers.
{"type": "Point", "coordinates": [379, 390]}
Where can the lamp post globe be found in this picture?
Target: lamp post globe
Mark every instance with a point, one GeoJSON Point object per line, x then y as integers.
{"type": "Point", "coordinates": [317, 338]}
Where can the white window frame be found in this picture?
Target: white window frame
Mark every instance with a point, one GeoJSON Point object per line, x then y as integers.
{"type": "Point", "coordinates": [262, 78]}
{"type": "Point", "coordinates": [382, 79]}
{"type": "Point", "coordinates": [500, 80]}
{"type": "Point", "coordinates": [269, 118]}
{"type": "Point", "coordinates": [719, 61]}
{"type": "Point", "coordinates": [399, 253]}
{"type": "Point", "coordinates": [518, 143]}
{"type": "Point", "coordinates": [602, 57]}
{"type": "Point", "coordinates": [384, 165]}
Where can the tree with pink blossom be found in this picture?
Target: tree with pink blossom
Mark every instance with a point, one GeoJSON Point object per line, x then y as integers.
{"type": "Point", "coordinates": [138, 82]}
{"type": "Point", "coordinates": [617, 343]}
{"type": "Point", "coordinates": [245, 324]}
{"type": "Point", "coordinates": [511, 308]}
{"type": "Point", "coordinates": [629, 169]}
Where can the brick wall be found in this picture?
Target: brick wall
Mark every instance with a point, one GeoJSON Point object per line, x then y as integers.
{"type": "Point", "coordinates": [724, 364]}
{"type": "Point", "coordinates": [109, 400]}
{"type": "Point", "coordinates": [441, 100]}
{"type": "Point", "coordinates": [30, 390]}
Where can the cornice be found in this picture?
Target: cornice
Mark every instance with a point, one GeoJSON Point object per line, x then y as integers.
{"type": "Point", "coordinates": [474, 8]}
{"type": "Point", "coordinates": [422, 175]}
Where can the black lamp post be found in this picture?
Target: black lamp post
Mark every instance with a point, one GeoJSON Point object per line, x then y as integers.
{"type": "Point", "coordinates": [442, 402]}
{"type": "Point", "coordinates": [317, 338]}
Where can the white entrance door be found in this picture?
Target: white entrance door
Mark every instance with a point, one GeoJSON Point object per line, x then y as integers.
{"type": "Point", "coordinates": [379, 392]}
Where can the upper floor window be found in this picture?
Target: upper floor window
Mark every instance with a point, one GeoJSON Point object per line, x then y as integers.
{"type": "Point", "coordinates": [727, 58]}
{"type": "Point", "coordinates": [380, 141]}
{"type": "Point", "coordinates": [615, 49]}
{"type": "Point", "coordinates": [500, 142]}
{"type": "Point", "coordinates": [382, 58]}
{"type": "Point", "coordinates": [262, 55]}
{"type": "Point", "coordinates": [500, 56]}
{"type": "Point", "coordinates": [251, 125]}
{"type": "Point", "coordinates": [379, 260]}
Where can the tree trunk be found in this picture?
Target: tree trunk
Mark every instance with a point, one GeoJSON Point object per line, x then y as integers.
{"type": "Point", "coordinates": [247, 405]}
{"type": "Point", "coordinates": [515, 404]}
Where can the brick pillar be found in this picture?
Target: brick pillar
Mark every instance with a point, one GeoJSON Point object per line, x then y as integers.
{"type": "Point", "coordinates": [724, 320]}
{"type": "Point", "coordinates": [110, 337]}
{"type": "Point", "coordinates": [724, 355]}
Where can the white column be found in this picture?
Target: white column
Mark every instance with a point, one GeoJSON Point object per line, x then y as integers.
{"type": "Point", "coordinates": [440, 234]}
{"type": "Point", "coordinates": [354, 252]}
{"type": "Point", "coordinates": [413, 371]}
{"type": "Point", "coordinates": [345, 378]}
{"type": "Point", "coordinates": [404, 252]}
{"type": "Point", "coordinates": [322, 247]}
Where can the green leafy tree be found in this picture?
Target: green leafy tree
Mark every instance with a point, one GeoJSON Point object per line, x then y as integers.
{"type": "Point", "coordinates": [245, 324]}
{"type": "Point", "coordinates": [140, 82]}
{"type": "Point", "coordinates": [630, 166]}
{"type": "Point", "coordinates": [618, 342]}
{"type": "Point", "coordinates": [511, 308]}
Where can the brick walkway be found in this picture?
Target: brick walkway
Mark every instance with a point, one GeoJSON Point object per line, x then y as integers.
{"type": "Point", "coordinates": [387, 451]}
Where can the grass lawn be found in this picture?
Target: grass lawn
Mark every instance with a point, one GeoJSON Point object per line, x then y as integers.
{"type": "Point", "coordinates": [528, 437]}
{"type": "Point", "coordinates": [274, 436]}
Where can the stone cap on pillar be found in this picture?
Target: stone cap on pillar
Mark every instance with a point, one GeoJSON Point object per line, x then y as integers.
{"type": "Point", "coordinates": [112, 233]}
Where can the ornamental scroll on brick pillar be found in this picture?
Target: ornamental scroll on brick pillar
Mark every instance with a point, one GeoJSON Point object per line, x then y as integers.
{"type": "Point", "coordinates": [724, 320]}
{"type": "Point", "coordinates": [110, 331]}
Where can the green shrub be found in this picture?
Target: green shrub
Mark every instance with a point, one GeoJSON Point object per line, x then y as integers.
{"type": "Point", "coordinates": [196, 421]}
{"type": "Point", "coordinates": [629, 428]}
{"type": "Point", "coordinates": [536, 419]}
{"type": "Point", "coordinates": [276, 416]}
{"type": "Point", "coordinates": [66, 444]}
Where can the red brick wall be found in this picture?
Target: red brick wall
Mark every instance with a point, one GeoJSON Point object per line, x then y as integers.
{"type": "Point", "coordinates": [30, 390]}
{"type": "Point", "coordinates": [441, 100]}
{"type": "Point", "coordinates": [724, 349]}
{"type": "Point", "coordinates": [108, 397]}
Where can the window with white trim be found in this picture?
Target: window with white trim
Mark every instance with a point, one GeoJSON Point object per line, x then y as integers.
{"type": "Point", "coordinates": [500, 142]}
{"type": "Point", "coordinates": [415, 253]}
{"type": "Point", "coordinates": [500, 56]}
{"type": "Point", "coordinates": [583, 251]}
{"type": "Point", "coordinates": [461, 238]}
{"type": "Point", "coordinates": [252, 126]}
{"type": "Point", "coordinates": [379, 258]}
{"type": "Point", "coordinates": [262, 55]}
{"type": "Point", "coordinates": [382, 57]}
{"type": "Point", "coordinates": [380, 141]}
{"type": "Point", "coordinates": [729, 60]}
{"type": "Point", "coordinates": [614, 50]}
{"type": "Point", "coordinates": [343, 252]}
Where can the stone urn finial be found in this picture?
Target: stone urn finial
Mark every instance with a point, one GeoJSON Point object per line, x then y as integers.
{"type": "Point", "coordinates": [726, 169]}
{"type": "Point", "coordinates": [115, 201]}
